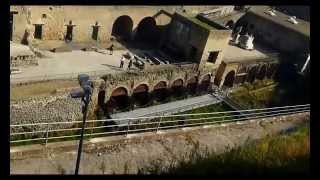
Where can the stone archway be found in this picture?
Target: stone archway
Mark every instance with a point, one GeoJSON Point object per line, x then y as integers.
{"type": "Point", "coordinates": [262, 72]}
{"type": "Point", "coordinates": [271, 71]}
{"type": "Point", "coordinates": [118, 100]}
{"type": "Point", "coordinates": [147, 30]}
{"type": "Point", "coordinates": [177, 87]}
{"type": "Point", "coordinates": [122, 27]}
{"type": "Point", "coordinates": [192, 85]}
{"type": "Point", "coordinates": [160, 91]}
{"type": "Point", "coordinates": [205, 83]}
{"type": "Point", "coordinates": [229, 79]}
{"type": "Point", "coordinates": [140, 95]}
{"type": "Point", "coordinates": [252, 74]}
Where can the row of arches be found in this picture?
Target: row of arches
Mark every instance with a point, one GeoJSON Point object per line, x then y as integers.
{"type": "Point", "coordinates": [256, 72]}
{"type": "Point", "coordinates": [142, 96]}
{"type": "Point", "coordinates": [146, 30]}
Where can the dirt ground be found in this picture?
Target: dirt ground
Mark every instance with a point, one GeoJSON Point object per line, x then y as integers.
{"type": "Point", "coordinates": [128, 158]}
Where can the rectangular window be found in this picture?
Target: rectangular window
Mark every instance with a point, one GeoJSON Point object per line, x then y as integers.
{"type": "Point", "coordinates": [213, 56]}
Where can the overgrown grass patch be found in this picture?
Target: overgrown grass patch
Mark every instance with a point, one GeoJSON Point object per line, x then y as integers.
{"type": "Point", "coordinates": [40, 88]}
{"type": "Point", "coordinates": [256, 95]}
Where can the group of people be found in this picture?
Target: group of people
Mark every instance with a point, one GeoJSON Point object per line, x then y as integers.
{"type": "Point", "coordinates": [122, 62]}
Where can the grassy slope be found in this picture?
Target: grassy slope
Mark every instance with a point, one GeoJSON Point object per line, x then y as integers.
{"type": "Point", "coordinates": [276, 155]}
{"type": "Point", "coordinates": [256, 95]}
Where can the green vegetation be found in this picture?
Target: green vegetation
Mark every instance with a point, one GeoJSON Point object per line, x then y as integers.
{"type": "Point", "coordinates": [256, 95]}
{"type": "Point", "coordinates": [284, 154]}
{"type": "Point", "coordinates": [42, 88]}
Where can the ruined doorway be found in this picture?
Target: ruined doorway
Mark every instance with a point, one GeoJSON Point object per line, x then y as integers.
{"type": "Point", "coordinates": [147, 31]}
{"type": "Point", "coordinates": [160, 91]}
{"type": "Point", "coordinates": [95, 31]}
{"type": "Point", "coordinates": [177, 88]}
{"type": "Point", "coordinates": [213, 56]}
{"type": "Point", "coordinates": [262, 73]}
{"type": "Point", "coordinates": [122, 27]}
{"type": "Point", "coordinates": [271, 71]}
{"type": "Point", "coordinates": [252, 74]}
{"type": "Point", "coordinates": [229, 79]}
{"type": "Point", "coordinates": [38, 31]}
{"type": "Point", "coordinates": [140, 95]}
{"type": "Point", "coordinates": [205, 83]}
{"type": "Point", "coordinates": [119, 100]}
{"type": "Point", "coordinates": [192, 85]}
{"type": "Point", "coordinates": [69, 34]}
{"type": "Point", "coordinates": [101, 98]}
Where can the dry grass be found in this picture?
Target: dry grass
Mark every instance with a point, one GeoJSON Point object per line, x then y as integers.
{"type": "Point", "coordinates": [42, 88]}
{"type": "Point", "coordinates": [284, 154]}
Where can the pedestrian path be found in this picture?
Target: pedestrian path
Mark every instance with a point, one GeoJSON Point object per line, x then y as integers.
{"type": "Point", "coordinates": [169, 108]}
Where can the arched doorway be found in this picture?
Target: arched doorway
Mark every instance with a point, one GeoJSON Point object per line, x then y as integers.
{"type": "Point", "coordinates": [262, 73]}
{"type": "Point", "coordinates": [205, 83]}
{"type": "Point", "coordinates": [140, 95]}
{"type": "Point", "coordinates": [147, 30]}
{"type": "Point", "coordinates": [252, 74]}
{"type": "Point", "coordinates": [241, 76]}
{"type": "Point", "coordinates": [119, 99]}
{"type": "Point", "coordinates": [122, 27]}
{"type": "Point", "coordinates": [192, 85]}
{"type": "Point", "coordinates": [177, 87]}
{"type": "Point", "coordinates": [229, 79]}
{"type": "Point", "coordinates": [160, 91]}
{"type": "Point", "coordinates": [230, 24]}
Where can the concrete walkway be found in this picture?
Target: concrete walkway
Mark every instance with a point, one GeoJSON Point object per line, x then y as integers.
{"type": "Point", "coordinates": [169, 108]}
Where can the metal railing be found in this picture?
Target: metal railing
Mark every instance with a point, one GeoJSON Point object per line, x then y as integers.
{"type": "Point", "coordinates": [145, 124]}
{"type": "Point", "coordinates": [46, 77]}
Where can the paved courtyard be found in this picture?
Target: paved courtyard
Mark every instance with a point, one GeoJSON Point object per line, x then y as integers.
{"type": "Point", "coordinates": [63, 65]}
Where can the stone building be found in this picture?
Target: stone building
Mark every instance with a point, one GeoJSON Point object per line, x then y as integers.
{"type": "Point", "coordinates": [51, 22]}
{"type": "Point", "coordinates": [277, 30]}
{"type": "Point", "coordinates": [191, 40]}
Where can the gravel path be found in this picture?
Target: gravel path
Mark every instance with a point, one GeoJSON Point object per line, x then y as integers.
{"type": "Point", "coordinates": [127, 158]}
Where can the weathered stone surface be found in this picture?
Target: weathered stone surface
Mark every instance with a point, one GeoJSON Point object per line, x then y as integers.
{"type": "Point", "coordinates": [56, 108]}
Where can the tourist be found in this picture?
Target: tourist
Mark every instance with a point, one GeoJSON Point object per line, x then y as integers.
{"type": "Point", "coordinates": [111, 49]}
{"type": "Point", "coordinates": [121, 62]}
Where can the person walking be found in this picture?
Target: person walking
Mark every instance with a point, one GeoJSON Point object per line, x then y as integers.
{"type": "Point", "coordinates": [121, 62]}
{"type": "Point", "coordinates": [111, 49]}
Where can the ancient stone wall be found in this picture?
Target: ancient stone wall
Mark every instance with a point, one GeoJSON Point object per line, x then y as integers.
{"type": "Point", "coordinates": [152, 77]}
{"type": "Point", "coordinates": [42, 109]}
{"type": "Point", "coordinates": [50, 108]}
{"type": "Point", "coordinates": [54, 19]}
